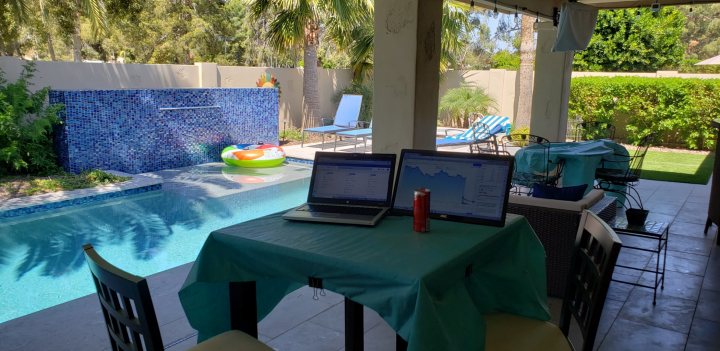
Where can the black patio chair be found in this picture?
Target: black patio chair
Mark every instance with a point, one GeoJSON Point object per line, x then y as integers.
{"type": "Point", "coordinates": [595, 131]}
{"type": "Point", "coordinates": [610, 177]}
{"type": "Point", "coordinates": [596, 251]}
{"type": "Point", "coordinates": [548, 175]}
{"type": "Point", "coordinates": [130, 316]}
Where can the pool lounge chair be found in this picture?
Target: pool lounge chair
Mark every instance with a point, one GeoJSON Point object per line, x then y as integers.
{"type": "Point", "coordinates": [363, 133]}
{"type": "Point", "coordinates": [482, 130]}
{"type": "Point", "coordinates": [346, 118]}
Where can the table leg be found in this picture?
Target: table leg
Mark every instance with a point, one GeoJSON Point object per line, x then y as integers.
{"type": "Point", "coordinates": [353, 326]}
{"type": "Point", "coordinates": [243, 307]}
{"type": "Point", "coordinates": [667, 237]}
{"type": "Point", "coordinates": [400, 343]}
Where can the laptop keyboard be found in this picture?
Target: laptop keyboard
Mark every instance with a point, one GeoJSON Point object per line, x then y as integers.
{"type": "Point", "coordinates": [366, 211]}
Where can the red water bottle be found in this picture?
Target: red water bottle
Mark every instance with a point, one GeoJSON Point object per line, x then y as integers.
{"type": "Point", "coordinates": [420, 213]}
{"type": "Point", "coordinates": [427, 209]}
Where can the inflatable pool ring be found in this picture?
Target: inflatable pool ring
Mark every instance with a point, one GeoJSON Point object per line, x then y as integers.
{"type": "Point", "coordinates": [253, 155]}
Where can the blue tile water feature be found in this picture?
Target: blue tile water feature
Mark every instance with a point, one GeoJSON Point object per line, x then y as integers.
{"type": "Point", "coordinates": [138, 131]}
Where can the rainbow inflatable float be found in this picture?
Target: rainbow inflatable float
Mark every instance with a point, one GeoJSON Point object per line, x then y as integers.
{"type": "Point", "coordinates": [253, 155]}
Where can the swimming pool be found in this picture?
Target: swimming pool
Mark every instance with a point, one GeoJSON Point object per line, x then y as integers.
{"type": "Point", "coordinates": [41, 259]}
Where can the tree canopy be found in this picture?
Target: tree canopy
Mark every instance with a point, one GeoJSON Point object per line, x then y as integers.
{"type": "Point", "coordinates": [634, 40]}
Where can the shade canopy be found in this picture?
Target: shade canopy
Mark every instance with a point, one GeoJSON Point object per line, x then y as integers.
{"type": "Point", "coordinates": [711, 61]}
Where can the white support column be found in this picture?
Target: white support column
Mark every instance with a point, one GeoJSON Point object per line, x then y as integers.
{"type": "Point", "coordinates": [208, 76]}
{"type": "Point", "coordinates": [551, 89]}
{"type": "Point", "coordinates": [407, 79]}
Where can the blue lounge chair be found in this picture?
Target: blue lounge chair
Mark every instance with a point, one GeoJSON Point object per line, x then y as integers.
{"type": "Point", "coordinates": [481, 131]}
{"type": "Point", "coordinates": [346, 118]}
{"type": "Point", "coordinates": [363, 133]}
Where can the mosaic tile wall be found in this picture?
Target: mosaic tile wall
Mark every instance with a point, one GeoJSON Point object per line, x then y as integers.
{"type": "Point", "coordinates": [138, 131]}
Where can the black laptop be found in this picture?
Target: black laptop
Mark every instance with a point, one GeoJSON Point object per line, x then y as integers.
{"type": "Point", "coordinates": [348, 188]}
{"type": "Point", "coordinates": [464, 187]}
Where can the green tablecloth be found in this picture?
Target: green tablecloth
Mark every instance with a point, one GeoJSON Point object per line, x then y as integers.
{"type": "Point", "coordinates": [416, 282]}
{"type": "Point", "coordinates": [581, 159]}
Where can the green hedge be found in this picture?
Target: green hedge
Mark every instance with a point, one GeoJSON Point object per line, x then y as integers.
{"type": "Point", "coordinates": [678, 109]}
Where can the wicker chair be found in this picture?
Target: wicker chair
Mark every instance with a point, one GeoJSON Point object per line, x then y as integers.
{"type": "Point", "coordinates": [555, 222]}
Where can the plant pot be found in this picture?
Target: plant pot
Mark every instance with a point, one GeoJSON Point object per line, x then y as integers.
{"type": "Point", "coordinates": [636, 216]}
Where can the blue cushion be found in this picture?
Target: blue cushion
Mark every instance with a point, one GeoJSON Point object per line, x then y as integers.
{"type": "Point", "coordinates": [571, 193]}
{"type": "Point", "coordinates": [544, 191]}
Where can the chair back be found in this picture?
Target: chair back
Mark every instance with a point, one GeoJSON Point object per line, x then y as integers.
{"type": "Point", "coordinates": [596, 251]}
{"type": "Point", "coordinates": [636, 161]}
{"type": "Point", "coordinates": [493, 122]}
{"type": "Point", "coordinates": [126, 305]}
{"type": "Point", "coordinates": [595, 130]}
{"type": "Point", "coordinates": [527, 178]}
{"type": "Point", "coordinates": [348, 111]}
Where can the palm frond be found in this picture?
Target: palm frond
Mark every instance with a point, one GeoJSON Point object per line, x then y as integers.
{"type": "Point", "coordinates": [258, 7]}
{"type": "Point", "coordinates": [462, 102]}
{"type": "Point", "coordinates": [18, 8]}
{"type": "Point", "coordinates": [95, 12]}
{"type": "Point", "coordinates": [287, 30]}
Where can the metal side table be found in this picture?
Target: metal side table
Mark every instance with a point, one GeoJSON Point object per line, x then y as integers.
{"type": "Point", "coordinates": [651, 230]}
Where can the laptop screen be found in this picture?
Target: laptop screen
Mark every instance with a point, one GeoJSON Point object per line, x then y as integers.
{"type": "Point", "coordinates": [463, 187]}
{"type": "Point", "coordinates": [352, 178]}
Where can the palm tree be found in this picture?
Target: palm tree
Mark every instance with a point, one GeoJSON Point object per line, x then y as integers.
{"type": "Point", "coordinates": [525, 73]}
{"type": "Point", "coordinates": [359, 40]}
{"type": "Point", "coordinates": [461, 103]}
{"type": "Point", "coordinates": [94, 10]}
{"type": "Point", "coordinates": [298, 23]}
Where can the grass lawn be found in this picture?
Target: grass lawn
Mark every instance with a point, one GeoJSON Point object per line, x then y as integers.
{"type": "Point", "coordinates": [677, 166]}
{"type": "Point", "coordinates": [18, 186]}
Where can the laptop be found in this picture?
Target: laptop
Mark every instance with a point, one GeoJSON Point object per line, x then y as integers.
{"type": "Point", "coordinates": [472, 188]}
{"type": "Point", "coordinates": [348, 188]}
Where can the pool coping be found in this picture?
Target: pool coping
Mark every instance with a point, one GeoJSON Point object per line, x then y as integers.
{"type": "Point", "coordinates": [139, 183]}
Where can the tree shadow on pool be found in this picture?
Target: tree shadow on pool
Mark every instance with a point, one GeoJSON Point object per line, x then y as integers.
{"type": "Point", "coordinates": [146, 223]}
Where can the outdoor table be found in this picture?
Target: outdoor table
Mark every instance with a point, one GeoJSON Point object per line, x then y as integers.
{"type": "Point", "coordinates": [581, 159]}
{"type": "Point", "coordinates": [431, 288]}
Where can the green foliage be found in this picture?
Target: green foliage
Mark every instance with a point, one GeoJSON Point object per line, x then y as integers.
{"type": "Point", "coordinates": [679, 110]}
{"type": "Point", "coordinates": [461, 103]}
{"type": "Point", "coordinates": [291, 134]}
{"type": "Point", "coordinates": [364, 89]}
{"type": "Point", "coordinates": [518, 141]}
{"type": "Point", "coordinates": [702, 32]}
{"type": "Point", "coordinates": [633, 41]}
{"type": "Point", "coordinates": [506, 60]}
{"type": "Point", "coordinates": [26, 124]}
{"type": "Point", "coordinates": [28, 185]}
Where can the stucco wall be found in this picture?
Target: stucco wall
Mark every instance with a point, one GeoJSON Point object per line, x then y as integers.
{"type": "Point", "coordinates": [500, 84]}
{"type": "Point", "coordinates": [90, 76]}
{"type": "Point", "coordinates": [330, 82]}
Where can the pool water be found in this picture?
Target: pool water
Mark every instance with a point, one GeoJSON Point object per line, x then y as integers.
{"type": "Point", "coordinates": [41, 258]}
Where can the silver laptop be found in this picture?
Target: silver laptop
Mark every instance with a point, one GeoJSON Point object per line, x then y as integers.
{"type": "Point", "coordinates": [348, 188]}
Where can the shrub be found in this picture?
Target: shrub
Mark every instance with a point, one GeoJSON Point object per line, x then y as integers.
{"type": "Point", "coordinates": [518, 141]}
{"type": "Point", "coordinates": [461, 103]}
{"type": "Point", "coordinates": [679, 110]}
{"type": "Point", "coordinates": [291, 134]}
{"type": "Point", "coordinates": [26, 123]}
{"type": "Point", "coordinates": [366, 90]}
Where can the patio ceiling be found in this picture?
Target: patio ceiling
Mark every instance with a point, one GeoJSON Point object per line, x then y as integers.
{"type": "Point", "coordinates": [544, 8]}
